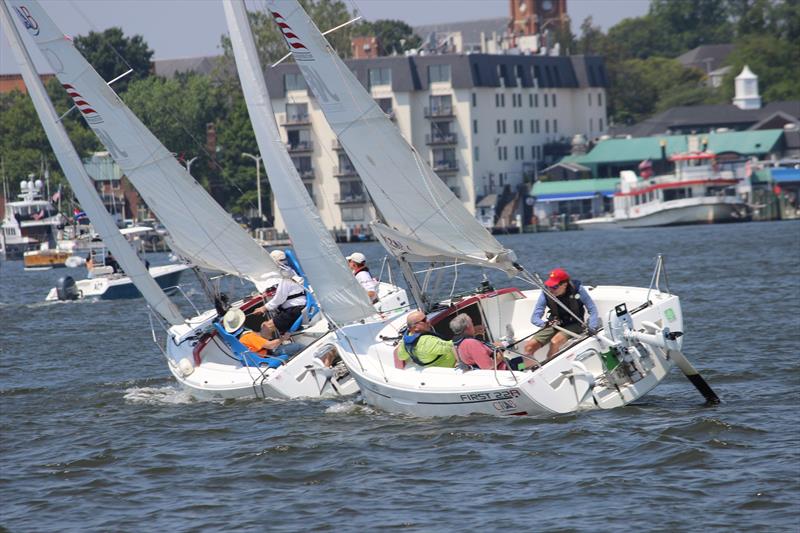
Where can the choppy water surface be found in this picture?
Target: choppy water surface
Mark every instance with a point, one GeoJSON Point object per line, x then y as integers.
{"type": "Point", "coordinates": [96, 435]}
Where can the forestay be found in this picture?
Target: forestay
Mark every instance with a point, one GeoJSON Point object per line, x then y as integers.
{"type": "Point", "coordinates": [339, 294]}
{"type": "Point", "coordinates": [80, 181]}
{"type": "Point", "coordinates": [200, 229]}
{"type": "Point", "coordinates": [412, 200]}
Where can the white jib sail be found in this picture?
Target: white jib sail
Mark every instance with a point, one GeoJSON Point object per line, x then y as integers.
{"type": "Point", "coordinates": [200, 229]}
{"type": "Point", "coordinates": [81, 182]}
{"type": "Point", "coordinates": [339, 294]}
{"type": "Point", "coordinates": [410, 197]}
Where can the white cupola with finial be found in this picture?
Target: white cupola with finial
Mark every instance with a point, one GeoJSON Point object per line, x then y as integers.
{"type": "Point", "coordinates": [747, 96]}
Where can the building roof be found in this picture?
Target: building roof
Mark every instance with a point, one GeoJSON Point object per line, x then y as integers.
{"type": "Point", "coordinates": [573, 189]}
{"type": "Point", "coordinates": [702, 118]}
{"type": "Point", "coordinates": [757, 142]}
{"type": "Point", "coordinates": [707, 57]}
{"type": "Point", "coordinates": [470, 30]}
{"type": "Point", "coordinates": [410, 73]}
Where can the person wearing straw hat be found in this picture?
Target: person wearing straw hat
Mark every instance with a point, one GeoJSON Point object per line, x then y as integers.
{"type": "Point", "coordinates": [567, 301]}
{"type": "Point", "coordinates": [358, 264]}
{"type": "Point", "coordinates": [233, 322]}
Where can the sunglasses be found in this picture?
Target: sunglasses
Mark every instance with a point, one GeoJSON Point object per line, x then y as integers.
{"type": "Point", "coordinates": [423, 321]}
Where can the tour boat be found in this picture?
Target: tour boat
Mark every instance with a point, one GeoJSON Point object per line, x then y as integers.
{"type": "Point", "coordinates": [30, 222]}
{"type": "Point", "coordinates": [422, 222]}
{"type": "Point", "coordinates": [700, 191]}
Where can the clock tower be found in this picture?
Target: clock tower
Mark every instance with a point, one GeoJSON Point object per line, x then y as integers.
{"type": "Point", "coordinates": [534, 17]}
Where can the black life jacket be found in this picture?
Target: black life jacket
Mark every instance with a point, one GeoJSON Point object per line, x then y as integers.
{"type": "Point", "coordinates": [572, 300]}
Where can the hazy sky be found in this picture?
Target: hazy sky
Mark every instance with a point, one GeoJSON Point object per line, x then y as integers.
{"type": "Point", "coordinates": [188, 28]}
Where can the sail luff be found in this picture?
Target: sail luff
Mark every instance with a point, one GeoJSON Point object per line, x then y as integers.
{"type": "Point", "coordinates": [201, 230]}
{"type": "Point", "coordinates": [413, 200]}
{"type": "Point", "coordinates": [339, 294]}
{"type": "Point", "coordinates": [80, 181]}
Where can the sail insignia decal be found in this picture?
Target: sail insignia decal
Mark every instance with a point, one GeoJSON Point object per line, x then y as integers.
{"type": "Point", "coordinates": [27, 20]}
{"type": "Point", "coordinates": [92, 116]}
{"type": "Point", "coordinates": [299, 50]}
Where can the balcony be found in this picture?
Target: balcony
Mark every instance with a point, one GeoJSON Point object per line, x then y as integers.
{"type": "Point", "coordinates": [301, 146]}
{"type": "Point", "coordinates": [306, 173]}
{"type": "Point", "coordinates": [445, 166]}
{"type": "Point", "coordinates": [344, 172]}
{"type": "Point", "coordinates": [441, 138]}
{"type": "Point", "coordinates": [439, 112]}
{"type": "Point", "coordinates": [350, 198]}
{"type": "Point", "coordinates": [298, 119]}
{"type": "Point", "coordinates": [336, 145]}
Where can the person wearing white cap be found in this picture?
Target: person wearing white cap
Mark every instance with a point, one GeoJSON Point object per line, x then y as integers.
{"type": "Point", "coordinates": [358, 264]}
{"type": "Point", "coordinates": [279, 256]}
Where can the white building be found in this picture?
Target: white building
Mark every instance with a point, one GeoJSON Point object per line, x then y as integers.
{"type": "Point", "coordinates": [484, 122]}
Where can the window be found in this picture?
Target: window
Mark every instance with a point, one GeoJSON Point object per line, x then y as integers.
{"type": "Point", "coordinates": [600, 99]}
{"type": "Point", "coordinates": [474, 100]}
{"type": "Point", "coordinates": [546, 126]}
{"type": "Point", "coordinates": [545, 100]}
{"type": "Point", "coordinates": [475, 153]}
{"type": "Point", "coordinates": [530, 100]}
{"type": "Point", "coordinates": [600, 126]}
{"type": "Point", "coordinates": [352, 214]}
{"type": "Point", "coordinates": [294, 82]}
{"type": "Point", "coordinates": [535, 100]}
{"type": "Point", "coordinates": [444, 158]}
{"type": "Point", "coordinates": [538, 124]}
{"type": "Point", "coordinates": [379, 76]}
{"type": "Point", "coordinates": [505, 153]}
{"type": "Point", "coordinates": [386, 105]}
{"type": "Point", "coordinates": [345, 165]}
{"type": "Point", "coordinates": [554, 100]}
{"type": "Point", "coordinates": [501, 126]}
{"type": "Point", "coordinates": [497, 100]}
{"type": "Point", "coordinates": [310, 189]}
{"type": "Point", "coordinates": [502, 100]}
{"type": "Point", "coordinates": [296, 113]}
{"type": "Point", "coordinates": [499, 153]}
{"type": "Point", "coordinates": [438, 73]}
{"type": "Point", "coordinates": [441, 105]}
{"type": "Point", "coordinates": [555, 126]}
{"type": "Point", "coordinates": [351, 190]}
{"type": "Point", "coordinates": [533, 126]}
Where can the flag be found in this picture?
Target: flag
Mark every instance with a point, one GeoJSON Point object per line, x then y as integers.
{"type": "Point", "coordinates": [77, 214]}
{"type": "Point", "coordinates": [56, 196]}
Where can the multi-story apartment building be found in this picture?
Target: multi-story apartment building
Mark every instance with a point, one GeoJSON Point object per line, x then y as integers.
{"type": "Point", "coordinates": [484, 122]}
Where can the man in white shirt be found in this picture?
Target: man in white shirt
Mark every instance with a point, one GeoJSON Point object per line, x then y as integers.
{"type": "Point", "coordinates": [358, 264]}
{"type": "Point", "coordinates": [286, 306]}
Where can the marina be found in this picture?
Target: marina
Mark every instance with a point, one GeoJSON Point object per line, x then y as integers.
{"type": "Point", "coordinates": [488, 354]}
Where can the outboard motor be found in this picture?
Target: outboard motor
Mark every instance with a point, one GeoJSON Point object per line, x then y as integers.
{"type": "Point", "coordinates": [66, 289]}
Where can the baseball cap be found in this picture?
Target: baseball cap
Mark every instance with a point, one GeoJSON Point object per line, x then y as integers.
{"type": "Point", "coordinates": [357, 257]}
{"type": "Point", "coordinates": [557, 276]}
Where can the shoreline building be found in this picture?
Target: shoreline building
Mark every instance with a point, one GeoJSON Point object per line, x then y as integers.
{"type": "Point", "coordinates": [485, 123]}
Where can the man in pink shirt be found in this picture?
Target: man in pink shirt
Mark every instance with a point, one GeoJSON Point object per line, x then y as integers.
{"type": "Point", "coordinates": [472, 352]}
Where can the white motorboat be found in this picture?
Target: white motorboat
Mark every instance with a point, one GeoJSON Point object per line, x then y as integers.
{"type": "Point", "coordinates": [30, 222]}
{"type": "Point", "coordinates": [700, 191]}
{"type": "Point", "coordinates": [200, 230]}
{"type": "Point", "coordinates": [423, 222]}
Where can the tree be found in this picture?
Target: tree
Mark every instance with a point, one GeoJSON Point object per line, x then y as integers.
{"type": "Point", "coordinates": [394, 36]}
{"type": "Point", "coordinates": [112, 54]}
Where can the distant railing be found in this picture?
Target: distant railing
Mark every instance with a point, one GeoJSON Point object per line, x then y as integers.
{"type": "Point", "coordinates": [349, 198]}
{"type": "Point", "coordinates": [441, 138]}
{"type": "Point", "coordinates": [302, 146]}
{"type": "Point", "coordinates": [445, 166]}
{"type": "Point", "coordinates": [439, 111]}
{"type": "Point", "coordinates": [295, 119]}
{"type": "Point", "coordinates": [345, 171]}
{"type": "Point", "coordinates": [306, 173]}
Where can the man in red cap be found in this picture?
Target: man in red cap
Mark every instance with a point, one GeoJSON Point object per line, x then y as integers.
{"type": "Point", "coordinates": [567, 301]}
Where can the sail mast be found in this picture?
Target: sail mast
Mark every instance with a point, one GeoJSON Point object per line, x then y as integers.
{"type": "Point", "coordinates": [81, 182]}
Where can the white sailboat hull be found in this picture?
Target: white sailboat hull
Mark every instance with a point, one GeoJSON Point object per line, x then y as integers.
{"type": "Point", "coordinates": [209, 372]}
{"type": "Point", "coordinates": [574, 381]}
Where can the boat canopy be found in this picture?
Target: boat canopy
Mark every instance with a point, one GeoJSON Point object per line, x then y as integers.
{"type": "Point", "coordinates": [200, 229]}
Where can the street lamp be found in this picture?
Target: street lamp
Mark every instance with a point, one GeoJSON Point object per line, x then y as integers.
{"type": "Point", "coordinates": [257, 159]}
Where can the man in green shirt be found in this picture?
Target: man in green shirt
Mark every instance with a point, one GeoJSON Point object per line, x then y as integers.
{"type": "Point", "coordinates": [423, 347]}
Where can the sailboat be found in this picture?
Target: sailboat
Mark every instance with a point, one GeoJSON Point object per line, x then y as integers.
{"type": "Point", "coordinates": [204, 360]}
{"type": "Point", "coordinates": [422, 222]}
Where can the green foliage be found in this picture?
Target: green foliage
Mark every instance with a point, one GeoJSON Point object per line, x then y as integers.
{"type": "Point", "coordinates": [394, 36]}
{"type": "Point", "coordinates": [24, 148]}
{"type": "Point", "coordinates": [636, 50]}
{"type": "Point", "coordinates": [112, 54]}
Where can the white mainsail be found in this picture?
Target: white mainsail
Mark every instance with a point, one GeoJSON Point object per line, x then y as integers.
{"type": "Point", "coordinates": [200, 229]}
{"type": "Point", "coordinates": [81, 183]}
{"type": "Point", "coordinates": [339, 294]}
{"type": "Point", "coordinates": [424, 220]}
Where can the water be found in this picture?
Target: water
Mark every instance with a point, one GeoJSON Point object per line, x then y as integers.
{"type": "Point", "coordinates": [96, 435]}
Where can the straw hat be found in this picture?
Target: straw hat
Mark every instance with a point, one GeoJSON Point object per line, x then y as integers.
{"type": "Point", "coordinates": [233, 320]}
